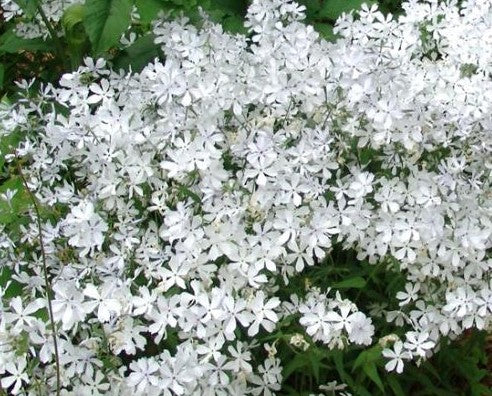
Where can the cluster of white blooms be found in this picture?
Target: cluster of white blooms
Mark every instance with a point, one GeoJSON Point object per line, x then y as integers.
{"type": "Point", "coordinates": [186, 196]}
{"type": "Point", "coordinates": [33, 26]}
{"type": "Point", "coordinates": [333, 321]}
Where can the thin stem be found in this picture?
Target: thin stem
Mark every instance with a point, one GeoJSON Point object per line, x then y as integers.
{"type": "Point", "coordinates": [46, 277]}
{"type": "Point", "coordinates": [51, 30]}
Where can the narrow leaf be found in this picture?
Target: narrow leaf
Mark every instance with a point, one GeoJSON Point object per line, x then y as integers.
{"type": "Point", "coordinates": [356, 282]}
{"type": "Point", "coordinates": [372, 372]}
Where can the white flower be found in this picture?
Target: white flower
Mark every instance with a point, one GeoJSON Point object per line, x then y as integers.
{"type": "Point", "coordinates": [360, 329]}
{"type": "Point", "coordinates": [264, 313]}
{"type": "Point", "coordinates": [19, 316]}
{"type": "Point", "coordinates": [68, 304]}
{"type": "Point", "coordinates": [418, 343]}
{"type": "Point", "coordinates": [107, 306]}
{"type": "Point", "coordinates": [397, 355]}
{"type": "Point", "coordinates": [17, 376]}
{"type": "Point", "coordinates": [85, 228]}
{"type": "Point", "coordinates": [144, 376]}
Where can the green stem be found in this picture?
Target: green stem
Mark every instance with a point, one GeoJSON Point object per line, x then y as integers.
{"type": "Point", "coordinates": [54, 36]}
{"type": "Point", "coordinates": [46, 277]}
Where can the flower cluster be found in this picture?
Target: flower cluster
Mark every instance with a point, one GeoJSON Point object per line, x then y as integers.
{"type": "Point", "coordinates": [29, 27]}
{"type": "Point", "coordinates": [187, 196]}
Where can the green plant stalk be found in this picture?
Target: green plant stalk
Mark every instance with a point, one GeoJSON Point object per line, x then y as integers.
{"type": "Point", "coordinates": [46, 277]}
{"type": "Point", "coordinates": [54, 36]}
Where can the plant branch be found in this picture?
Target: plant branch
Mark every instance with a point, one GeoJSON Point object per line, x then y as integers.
{"type": "Point", "coordinates": [46, 277]}
{"type": "Point", "coordinates": [51, 30]}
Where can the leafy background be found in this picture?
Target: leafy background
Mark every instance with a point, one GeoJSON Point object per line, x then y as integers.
{"type": "Point", "coordinates": [94, 29]}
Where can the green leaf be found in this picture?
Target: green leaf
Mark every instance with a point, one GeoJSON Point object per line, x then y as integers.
{"type": "Point", "coordinates": [149, 9]}
{"type": "Point", "coordinates": [297, 362]}
{"type": "Point", "coordinates": [480, 390]}
{"type": "Point", "coordinates": [19, 203]}
{"type": "Point", "coordinates": [395, 385]}
{"type": "Point", "coordinates": [332, 9]}
{"type": "Point", "coordinates": [105, 21]}
{"type": "Point", "coordinates": [138, 55]}
{"type": "Point", "coordinates": [7, 144]}
{"type": "Point", "coordinates": [29, 7]}
{"type": "Point", "coordinates": [357, 282]}
{"type": "Point", "coordinates": [185, 4]}
{"type": "Point", "coordinates": [72, 16]}
{"type": "Point", "coordinates": [326, 31]}
{"type": "Point", "coordinates": [234, 24]}
{"type": "Point", "coordinates": [371, 355]}
{"type": "Point", "coordinates": [237, 7]}
{"type": "Point", "coordinates": [77, 40]}
{"type": "Point", "coordinates": [372, 372]}
{"type": "Point", "coordinates": [10, 43]}
{"type": "Point", "coordinates": [2, 75]}
{"type": "Point", "coordinates": [338, 360]}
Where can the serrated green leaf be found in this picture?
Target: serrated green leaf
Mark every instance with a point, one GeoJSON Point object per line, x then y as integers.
{"type": "Point", "coordinates": [357, 282]}
{"type": "Point", "coordinates": [332, 9]}
{"type": "Point", "coordinates": [138, 55]}
{"type": "Point", "coordinates": [105, 21]}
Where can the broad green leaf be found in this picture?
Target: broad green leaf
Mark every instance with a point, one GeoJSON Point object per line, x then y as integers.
{"type": "Point", "coordinates": [138, 55]}
{"type": "Point", "coordinates": [332, 9]}
{"type": "Point", "coordinates": [149, 9]}
{"type": "Point", "coordinates": [10, 43]}
{"type": "Point", "coordinates": [77, 40]}
{"type": "Point", "coordinates": [105, 21]}
{"type": "Point", "coordinates": [356, 282]}
{"type": "Point", "coordinates": [72, 16]}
